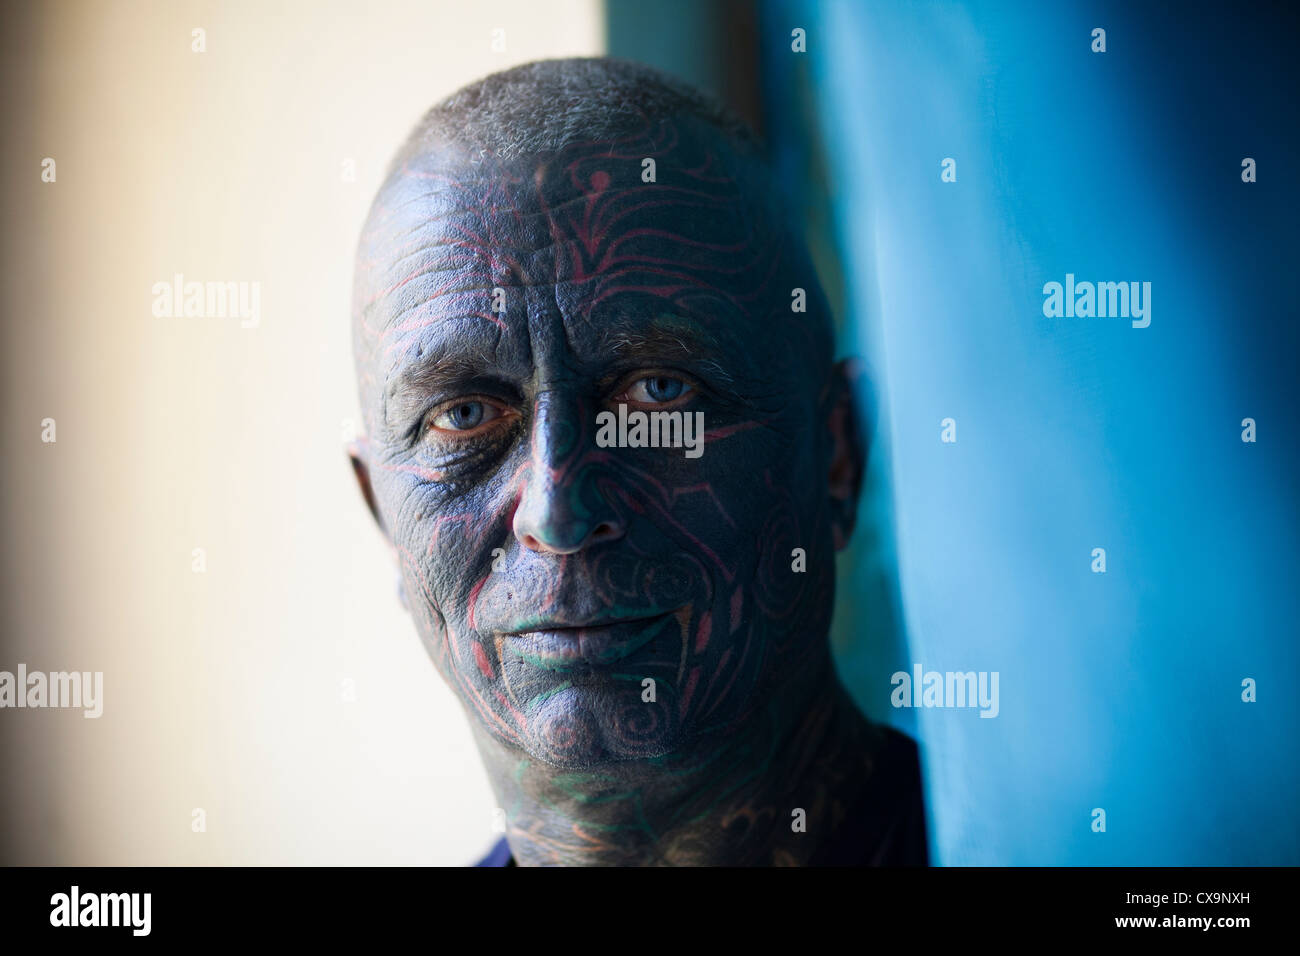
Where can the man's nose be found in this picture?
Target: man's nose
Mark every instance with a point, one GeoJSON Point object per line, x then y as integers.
{"type": "Point", "coordinates": [564, 506]}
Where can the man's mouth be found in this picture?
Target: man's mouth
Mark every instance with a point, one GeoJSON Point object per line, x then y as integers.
{"type": "Point", "coordinates": [557, 646]}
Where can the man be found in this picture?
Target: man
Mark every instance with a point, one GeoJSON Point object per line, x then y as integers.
{"type": "Point", "coordinates": [637, 628]}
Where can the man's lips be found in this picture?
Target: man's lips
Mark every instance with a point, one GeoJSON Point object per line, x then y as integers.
{"type": "Point", "coordinates": [556, 646]}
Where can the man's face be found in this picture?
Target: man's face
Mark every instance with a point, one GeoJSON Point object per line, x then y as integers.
{"type": "Point", "coordinates": [592, 604]}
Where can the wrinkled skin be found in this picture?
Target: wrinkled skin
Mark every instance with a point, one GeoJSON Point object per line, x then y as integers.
{"type": "Point", "coordinates": [508, 519]}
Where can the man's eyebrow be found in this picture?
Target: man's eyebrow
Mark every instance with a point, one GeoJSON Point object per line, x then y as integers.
{"type": "Point", "coordinates": [669, 341]}
{"type": "Point", "coordinates": [672, 339]}
{"type": "Point", "coordinates": [407, 394]}
{"type": "Point", "coordinates": [659, 338]}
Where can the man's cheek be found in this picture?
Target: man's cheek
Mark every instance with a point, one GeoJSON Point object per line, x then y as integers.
{"type": "Point", "coordinates": [443, 615]}
{"type": "Point", "coordinates": [772, 543]}
{"type": "Point", "coordinates": [445, 560]}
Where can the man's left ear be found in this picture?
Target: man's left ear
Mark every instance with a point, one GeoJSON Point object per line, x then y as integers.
{"type": "Point", "coordinates": [359, 454]}
{"type": "Point", "coordinates": [848, 448]}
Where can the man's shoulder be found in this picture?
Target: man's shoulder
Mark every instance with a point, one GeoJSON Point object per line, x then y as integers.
{"type": "Point", "coordinates": [897, 750]}
{"type": "Point", "coordinates": [499, 855]}
{"type": "Point", "coordinates": [885, 825]}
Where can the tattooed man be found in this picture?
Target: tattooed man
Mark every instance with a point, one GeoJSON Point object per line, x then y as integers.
{"type": "Point", "coordinates": [639, 636]}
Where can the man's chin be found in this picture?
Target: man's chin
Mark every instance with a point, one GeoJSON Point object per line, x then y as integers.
{"type": "Point", "coordinates": [584, 726]}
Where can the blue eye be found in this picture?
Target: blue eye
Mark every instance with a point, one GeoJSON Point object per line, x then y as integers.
{"type": "Point", "coordinates": [657, 390]}
{"type": "Point", "coordinates": [465, 416]}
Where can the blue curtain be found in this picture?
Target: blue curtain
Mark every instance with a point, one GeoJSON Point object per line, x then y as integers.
{"type": "Point", "coordinates": [1120, 691]}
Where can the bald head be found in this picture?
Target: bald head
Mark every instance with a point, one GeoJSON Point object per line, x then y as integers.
{"type": "Point", "coordinates": [552, 244]}
{"type": "Point", "coordinates": [543, 107]}
{"type": "Point", "coordinates": [519, 123]}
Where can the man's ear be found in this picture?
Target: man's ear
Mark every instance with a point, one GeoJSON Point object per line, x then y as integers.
{"type": "Point", "coordinates": [848, 448]}
{"type": "Point", "coordinates": [359, 453]}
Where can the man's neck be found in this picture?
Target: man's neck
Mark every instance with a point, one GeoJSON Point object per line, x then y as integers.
{"type": "Point", "coordinates": [768, 795]}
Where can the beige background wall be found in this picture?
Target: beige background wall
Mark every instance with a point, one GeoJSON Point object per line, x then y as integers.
{"type": "Point", "coordinates": [224, 690]}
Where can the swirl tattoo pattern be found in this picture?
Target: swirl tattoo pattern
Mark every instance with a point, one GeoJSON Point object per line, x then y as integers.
{"type": "Point", "coordinates": [625, 627]}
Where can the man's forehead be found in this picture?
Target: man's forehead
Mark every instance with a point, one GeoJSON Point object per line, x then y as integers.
{"type": "Point", "coordinates": [478, 252]}
{"type": "Point", "coordinates": [629, 327]}
{"type": "Point", "coordinates": [497, 214]}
